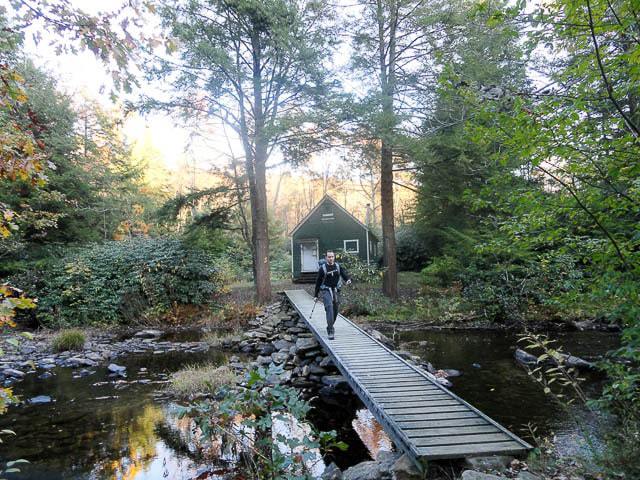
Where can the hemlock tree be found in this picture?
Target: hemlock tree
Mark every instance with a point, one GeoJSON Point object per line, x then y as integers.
{"type": "Point", "coordinates": [390, 46]}
{"type": "Point", "coordinates": [475, 56]}
{"type": "Point", "coordinates": [260, 68]}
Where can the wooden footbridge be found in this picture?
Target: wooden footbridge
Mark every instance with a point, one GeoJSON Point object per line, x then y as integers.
{"type": "Point", "coordinates": [423, 418]}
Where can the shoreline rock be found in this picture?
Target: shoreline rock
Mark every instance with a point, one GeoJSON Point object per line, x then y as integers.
{"type": "Point", "coordinates": [571, 361]}
{"type": "Point", "coordinates": [36, 356]}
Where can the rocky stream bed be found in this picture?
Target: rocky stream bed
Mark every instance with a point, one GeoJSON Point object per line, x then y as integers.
{"type": "Point", "coordinates": [277, 338]}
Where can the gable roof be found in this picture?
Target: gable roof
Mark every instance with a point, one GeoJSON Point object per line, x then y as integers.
{"type": "Point", "coordinates": [335, 202]}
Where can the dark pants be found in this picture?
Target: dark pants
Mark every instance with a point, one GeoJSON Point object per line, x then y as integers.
{"type": "Point", "coordinates": [331, 302]}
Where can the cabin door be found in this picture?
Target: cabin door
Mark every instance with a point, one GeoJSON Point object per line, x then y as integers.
{"type": "Point", "coordinates": [309, 255]}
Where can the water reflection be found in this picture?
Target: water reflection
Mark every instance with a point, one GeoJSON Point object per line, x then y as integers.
{"type": "Point", "coordinates": [98, 427]}
{"type": "Point", "coordinates": [494, 383]}
{"type": "Point", "coordinates": [371, 433]}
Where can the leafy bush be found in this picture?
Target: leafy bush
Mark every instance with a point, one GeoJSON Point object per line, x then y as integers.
{"type": "Point", "coordinates": [71, 339]}
{"type": "Point", "coordinates": [235, 264]}
{"type": "Point", "coordinates": [124, 281]}
{"type": "Point", "coordinates": [411, 251]}
{"type": "Point", "coordinates": [249, 418]}
{"type": "Point", "coordinates": [442, 271]}
{"type": "Point", "coordinates": [233, 315]}
{"type": "Point", "coordinates": [358, 305]}
{"type": "Point", "coordinates": [359, 270]}
{"type": "Point", "coordinates": [280, 266]}
{"type": "Point", "coordinates": [507, 286]}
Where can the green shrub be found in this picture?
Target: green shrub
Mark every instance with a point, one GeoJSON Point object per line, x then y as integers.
{"type": "Point", "coordinates": [71, 339]}
{"type": "Point", "coordinates": [234, 265]}
{"type": "Point", "coordinates": [358, 306]}
{"type": "Point", "coordinates": [248, 418]}
{"type": "Point", "coordinates": [442, 271]}
{"type": "Point", "coordinates": [360, 271]}
{"type": "Point", "coordinates": [411, 250]}
{"type": "Point", "coordinates": [201, 379]}
{"type": "Point", "coordinates": [509, 285]}
{"type": "Point", "coordinates": [280, 266]}
{"type": "Point", "coordinates": [365, 302]}
{"type": "Point", "coordinates": [119, 282]}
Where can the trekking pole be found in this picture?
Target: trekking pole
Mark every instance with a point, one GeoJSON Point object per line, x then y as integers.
{"type": "Point", "coordinates": [315, 300]}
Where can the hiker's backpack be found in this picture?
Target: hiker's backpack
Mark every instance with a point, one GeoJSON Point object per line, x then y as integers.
{"type": "Point", "coordinates": [323, 265]}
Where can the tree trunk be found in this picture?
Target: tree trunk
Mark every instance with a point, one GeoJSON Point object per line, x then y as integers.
{"type": "Point", "coordinates": [390, 278]}
{"type": "Point", "coordinates": [260, 223]}
{"type": "Point", "coordinates": [259, 217]}
{"type": "Point", "coordinates": [387, 84]}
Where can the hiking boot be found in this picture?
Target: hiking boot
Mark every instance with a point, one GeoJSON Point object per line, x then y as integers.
{"type": "Point", "coordinates": [331, 331]}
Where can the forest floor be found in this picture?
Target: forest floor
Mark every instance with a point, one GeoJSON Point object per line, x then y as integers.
{"type": "Point", "coordinates": [419, 306]}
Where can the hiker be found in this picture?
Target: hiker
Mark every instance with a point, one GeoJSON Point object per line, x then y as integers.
{"type": "Point", "coordinates": [329, 281]}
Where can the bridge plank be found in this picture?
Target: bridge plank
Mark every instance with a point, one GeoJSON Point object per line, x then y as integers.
{"type": "Point", "coordinates": [427, 424]}
{"type": "Point", "coordinates": [425, 409]}
{"type": "Point", "coordinates": [375, 391]}
{"type": "Point", "coordinates": [360, 369]}
{"type": "Point", "coordinates": [428, 391]}
{"type": "Point", "coordinates": [461, 439]}
{"type": "Point", "coordinates": [402, 418]}
{"type": "Point", "coordinates": [451, 431]}
{"type": "Point", "coordinates": [387, 373]}
{"type": "Point", "coordinates": [397, 380]}
{"type": "Point", "coordinates": [410, 398]}
{"type": "Point", "coordinates": [431, 402]}
{"type": "Point", "coordinates": [457, 451]}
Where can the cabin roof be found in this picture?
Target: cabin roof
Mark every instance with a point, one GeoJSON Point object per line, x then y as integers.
{"type": "Point", "coordinates": [334, 201]}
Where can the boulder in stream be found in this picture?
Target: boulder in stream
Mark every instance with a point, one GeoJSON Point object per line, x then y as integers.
{"type": "Point", "coordinates": [496, 463]}
{"type": "Point", "coordinates": [568, 360]}
{"type": "Point", "coordinates": [306, 345]}
{"type": "Point", "coordinates": [381, 337]}
{"type": "Point", "coordinates": [149, 333]}
{"type": "Point", "coordinates": [114, 368]}
{"type": "Point", "coordinates": [475, 475]}
{"type": "Point", "coordinates": [40, 400]}
{"type": "Point", "coordinates": [282, 345]}
{"type": "Point", "coordinates": [405, 469]}
{"type": "Point", "coordinates": [332, 472]}
{"type": "Point", "coordinates": [524, 475]}
{"type": "Point", "coordinates": [525, 357]}
{"type": "Point", "coordinates": [12, 372]}
{"type": "Point", "coordinates": [363, 471]}
{"type": "Point", "coordinates": [577, 362]}
{"type": "Point", "coordinates": [335, 381]}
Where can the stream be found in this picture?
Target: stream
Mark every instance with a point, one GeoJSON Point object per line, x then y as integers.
{"type": "Point", "coordinates": [102, 427]}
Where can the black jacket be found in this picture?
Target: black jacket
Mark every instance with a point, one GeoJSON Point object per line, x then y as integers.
{"type": "Point", "coordinates": [332, 277]}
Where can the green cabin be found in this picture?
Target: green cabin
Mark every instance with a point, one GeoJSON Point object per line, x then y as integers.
{"type": "Point", "coordinates": [328, 226]}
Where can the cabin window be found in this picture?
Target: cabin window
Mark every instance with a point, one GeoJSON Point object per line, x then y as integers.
{"type": "Point", "coordinates": [352, 246]}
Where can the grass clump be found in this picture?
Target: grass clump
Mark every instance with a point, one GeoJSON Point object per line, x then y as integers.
{"type": "Point", "coordinates": [197, 379]}
{"type": "Point", "coordinates": [71, 339]}
{"type": "Point", "coordinates": [217, 339]}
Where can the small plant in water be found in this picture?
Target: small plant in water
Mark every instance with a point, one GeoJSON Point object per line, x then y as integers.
{"type": "Point", "coordinates": [564, 385]}
{"type": "Point", "coordinates": [68, 340]}
{"type": "Point", "coordinates": [249, 416]}
{"type": "Point", "coordinates": [205, 379]}
{"type": "Point", "coordinates": [552, 372]}
{"type": "Point", "coordinates": [217, 339]}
